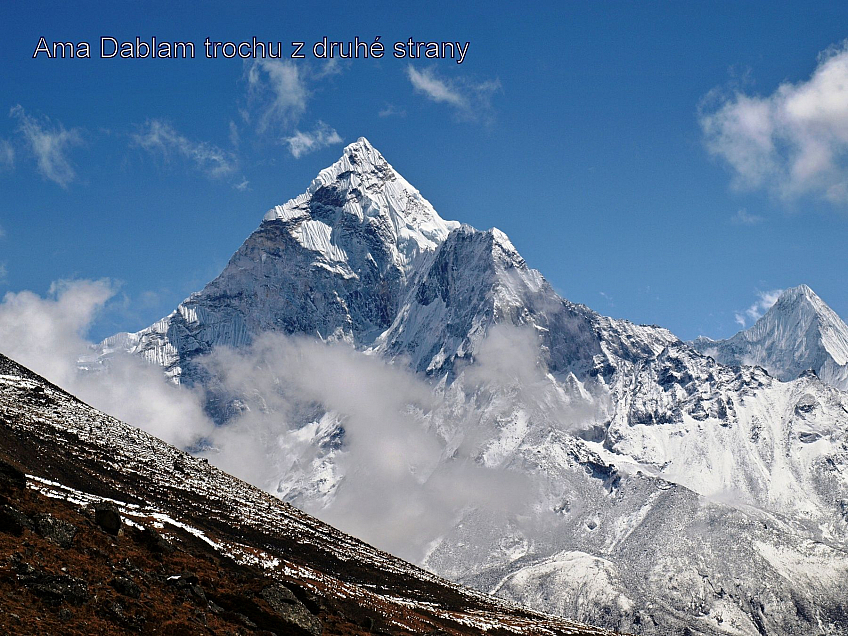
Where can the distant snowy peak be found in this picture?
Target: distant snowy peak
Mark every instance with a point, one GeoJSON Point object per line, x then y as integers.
{"type": "Point", "coordinates": [799, 332]}
{"type": "Point", "coordinates": [801, 307]}
{"type": "Point", "coordinates": [363, 188]}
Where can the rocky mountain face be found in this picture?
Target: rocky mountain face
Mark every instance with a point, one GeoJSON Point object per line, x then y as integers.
{"type": "Point", "coordinates": [799, 333]}
{"type": "Point", "coordinates": [694, 498]}
{"type": "Point", "coordinates": [333, 263]}
{"type": "Point", "coordinates": [668, 493]}
{"type": "Point", "coordinates": [105, 529]}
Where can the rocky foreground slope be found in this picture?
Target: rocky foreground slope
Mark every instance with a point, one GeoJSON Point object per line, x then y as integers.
{"type": "Point", "coordinates": [105, 529]}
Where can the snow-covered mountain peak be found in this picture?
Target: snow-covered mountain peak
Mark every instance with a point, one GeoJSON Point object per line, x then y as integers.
{"type": "Point", "coordinates": [635, 440]}
{"type": "Point", "coordinates": [801, 305]}
{"type": "Point", "coordinates": [362, 187]}
{"type": "Point", "coordinates": [333, 262]}
{"type": "Point", "coordinates": [504, 246]}
{"type": "Point", "coordinates": [492, 241]}
{"type": "Point", "coordinates": [800, 310]}
{"type": "Point", "coordinates": [800, 298]}
{"type": "Point", "coordinates": [799, 332]}
{"type": "Point", "coordinates": [801, 290]}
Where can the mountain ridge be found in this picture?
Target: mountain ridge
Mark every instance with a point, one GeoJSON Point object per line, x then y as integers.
{"type": "Point", "coordinates": [647, 459]}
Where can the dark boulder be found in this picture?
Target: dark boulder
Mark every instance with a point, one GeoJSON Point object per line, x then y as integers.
{"type": "Point", "coordinates": [13, 521]}
{"type": "Point", "coordinates": [56, 588]}
{"type": "Point", "coordinates": [153, 541]}
{"type": "Point", "coordinates": [59, 532]}
{"type": "Point", "coordinates": [107, 517]}
{"type": "Point", "coordinates": [126, 586]}
{"type": "Point", "coordinates": [188, 582]}
{"type": "Point", "coordinates": [10, 477]}
{"type": "Point", "coordinates": [288, 608]}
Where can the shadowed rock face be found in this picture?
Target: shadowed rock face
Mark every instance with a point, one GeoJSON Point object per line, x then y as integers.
{"type": "Point", "coordinates": [289, 608]}
{"type": "Point", "coordinates": [197, 551]}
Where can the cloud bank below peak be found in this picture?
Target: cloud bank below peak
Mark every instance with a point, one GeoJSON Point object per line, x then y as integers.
{"type": "Point", "coordinates": [47, 335]}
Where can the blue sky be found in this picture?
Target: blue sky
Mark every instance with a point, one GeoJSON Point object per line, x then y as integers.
{"type": "Point", "coordinates": [669, 163]}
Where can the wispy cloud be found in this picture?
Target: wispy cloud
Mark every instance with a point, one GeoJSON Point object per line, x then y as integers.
{"type": "Point", "coordinates": [608, 298]}
{"type": "Point", "coordinates": [330, 68]}
{"type": "Point", "coordinates": [760, 306]}
{"type": "Point", "coordinates": [792, 142]}
{"type": "Point", "coordinates": [3, 273]}
{"type": "Point", "coordinates": [437, 89]}
{"type": "Point", "coordinates": [160, 137]}
{"type": "Point", "coordinates": [301, 143]}
{"type": "Point", "coordinates": [7, 154]}
{"type": "Point", "coordinates": [743, 217]}
{"type": "Point", "coordinates": [49, 143]}
{"type": "Point", "coordinates": [469, 100]}
{"type": "Point", "coordinates": [390, 110]}
{"type": "Point", "coordinates": [277, 88]}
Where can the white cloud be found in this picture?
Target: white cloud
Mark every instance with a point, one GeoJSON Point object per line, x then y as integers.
{"type": "Point", "coordinates": [761, 305]}
{"type": "Point", "coordinates": [242, 185]}
{"type": "Point", "coordinates": [743, 217]}
{"type": "Point", "coordinates": [301, 143]}
{"type": "Point", "coordinates": [470, 101]}
{"type": "Point", "coordinates": [47, 335]}
{"type": "Point", "coordinates": [435, 88]}
{"type": "Point", "coordinates": [330, 68]}
{"type": "Point", "coordinates": [50, 145]}
{"type": "Point", "coordinates": [157, 136]}
{"type": "Point", "coordinates": [7, 154]}
{"type": "Point", "coordinates": [390, 110]}
{"type": "Point", "coordinates": [278, 89]}
{"type": "Point", "coordinates": [397, 490]}
{"type": "Point", "coordinates": [792, 142]}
